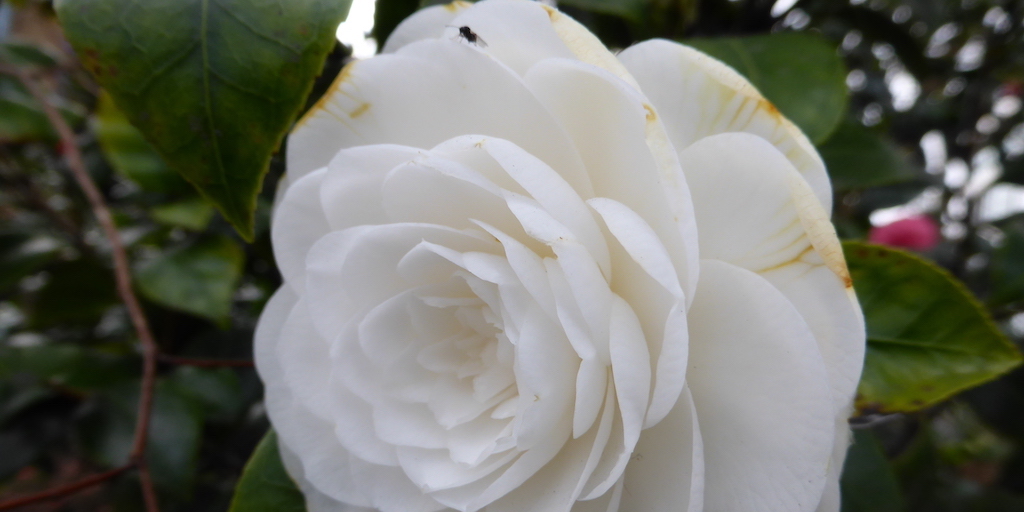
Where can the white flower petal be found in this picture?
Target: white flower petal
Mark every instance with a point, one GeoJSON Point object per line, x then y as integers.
{"type": "Point", "coordinates": [552, 192]}
{"type": "Point", "coordinates": [834, 316]}
{"type": "Point", "coordinates": [759, 387]}
{"type": "Point", "coordinates": [353, 270]}
{"type": "Point", "coordinates": [570, 90]}
{"type": "Point", "coordinates": [640, 241]}
{"type": "Point", "coordinates": [316, 501]}
{"type": "Point", "coordinates": [699, 96]}
{"type": "Point", "coordinates": [515, 32]}
{"type": "Point", "coordinates": [353, 420]}
{"type": "Point", "coordinates": [631, 370]}
{"type": "Point", "coordinates": [831, 501]}
{"type": "Point", "coordinates": [570, 317]}
{"type": "Point", "coordinates": [757, 206]}
{"type": "Point", "coordinates": [351, 190]}
{"type": "Point", "coordinates": [662, 313]}
{"type": "Point", "coordinates": [447, 89]}
{"type": "Point", "coordinates": [666, 471]}
{"type": "Point", "coordinates": [528, 266]}
{"type": "Point", "coordinates": [428, 23]}
{"type": "Point", "coordinates": [390, 490]}
{"type": "Point", "coordinates": [589, 289]}
{"type": "Point", "coordinates": [446, 192]}
{"type": "Point", "coordinates": [551, 487]}
{"type": "Point", "coordinates": [545, 368]}
{"type": "Point", "coordinates": [601, 438]}
{"type": "Point", "coordinates": [303, 358]}
{"type": "Point", "coordinates": [435, 470]}
{"type": "Point", "coordinates": [298, 223]}
{"type": "Point", "coordinates": [591, 380]}
{"type": "Point", "coordinates": [610, 502]}
{"type": "Point", "coordinates": [301, 432]}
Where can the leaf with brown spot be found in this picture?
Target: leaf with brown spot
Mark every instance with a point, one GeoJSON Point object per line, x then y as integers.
{"type": "Point", "coordinates": [928, 337]}
{"type": "Point", "coordinates": [213, 85]}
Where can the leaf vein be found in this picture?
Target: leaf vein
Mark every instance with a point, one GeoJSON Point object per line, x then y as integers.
{"type": "Point", "coordinates": [239, 87]}
{"type": "Point", "coordinates": [164, 69]}
{"type": "Point", "coordinates": [255, 31]}
{"type": "Point", "coordinates": [208, 106]}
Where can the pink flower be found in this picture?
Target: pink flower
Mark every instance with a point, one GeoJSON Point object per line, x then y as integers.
{"type": "Point", "coordinates": [919, 233]}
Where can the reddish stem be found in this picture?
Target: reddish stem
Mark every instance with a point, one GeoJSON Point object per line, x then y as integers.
{"type": "Point", "coordinates": [122, 275]}
{"type": "Point", "coordinates": [205, 363]}
{"type": "Point", "coordinates": [64, 490]}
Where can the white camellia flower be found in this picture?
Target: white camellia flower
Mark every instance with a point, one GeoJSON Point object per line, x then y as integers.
{"type": "Point", "coordinates": [525, 274]}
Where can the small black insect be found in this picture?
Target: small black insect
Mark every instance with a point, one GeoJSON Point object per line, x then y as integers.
{"type": "Point", "coordinates": [471, 37]}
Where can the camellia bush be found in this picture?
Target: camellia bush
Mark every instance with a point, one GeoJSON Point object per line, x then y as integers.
{"type": "Point", "coordinates": [602, 255]}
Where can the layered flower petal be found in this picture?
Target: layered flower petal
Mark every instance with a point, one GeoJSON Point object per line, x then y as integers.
{"type": "Point", "coordinates": [524, 274]}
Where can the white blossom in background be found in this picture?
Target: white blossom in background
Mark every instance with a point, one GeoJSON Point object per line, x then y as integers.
{"type": "Point", "coordinates": [522, 273]}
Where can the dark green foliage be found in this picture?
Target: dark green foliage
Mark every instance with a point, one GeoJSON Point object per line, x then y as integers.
{"type": "Point", "coordinates": [858, 158]}
{"type": "Point", "coordinates": [213, 85]}
{"type": "Point", "coordinates": [265, 486]}
{"type": "Point", "coordinates": [928, 337]}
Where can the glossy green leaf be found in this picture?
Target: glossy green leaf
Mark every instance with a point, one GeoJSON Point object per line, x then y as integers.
{"type": "Point", "coordinates": [194, 214]}
{"type": "Point", "coordinates": [928, 337]}
{"type": "Point", "coordinates": [799, 72]}
{"type": "Point", "coordinates": [858, 158]}
{"type": "Point", "coordinates": [265, 485]}
{"type": "Point", "coordinates": [869, 483]}
{"type": "Point", "coordinates": [127, 151]}
{"type": "Point", "coordinates": [213, 85]}
{"type": "Point", "coordinates": [198, 279]}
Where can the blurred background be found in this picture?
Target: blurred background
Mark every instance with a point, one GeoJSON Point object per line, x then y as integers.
{"type": "Point", "coordinates": [915, 105]}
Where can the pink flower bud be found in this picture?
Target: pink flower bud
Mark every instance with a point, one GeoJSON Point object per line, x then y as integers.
{"type": "Point", "coordinates": [919, 233]}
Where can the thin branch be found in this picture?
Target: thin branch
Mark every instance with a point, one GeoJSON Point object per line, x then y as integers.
{"type": "Point", "coordinates": [64, 490]}
{"type": "Point", "coordinates": [122, 275]}
{"type": "Point", "coordinates": [205, 363]}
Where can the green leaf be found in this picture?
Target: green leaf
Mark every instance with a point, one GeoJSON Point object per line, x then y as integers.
{"type": "Point", "coordinates": [869, 483]}
{"type": "Point", "coordinates": [213, 84]}
{"type": "Point", "coordinates": [193, 214]}
{"type": "Point", "coordinates": [175, 431]}
{"type": "Point", "coordinates": [217, 391]}
{"type": "Point", "coordinates": [799, 72]}
{"type": "Point", "coordinates": [70, 366]}
{"type": "Point", "coordinates": [858, 158]}
{"type": "Point", "coordinates": [265, 485]}
{"type": "Point", "coordinates": [127, 151]}
{"type": "Point", "coordinates": [928, 337]}
{"type": "Point", "coordinates": [198, 279]}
